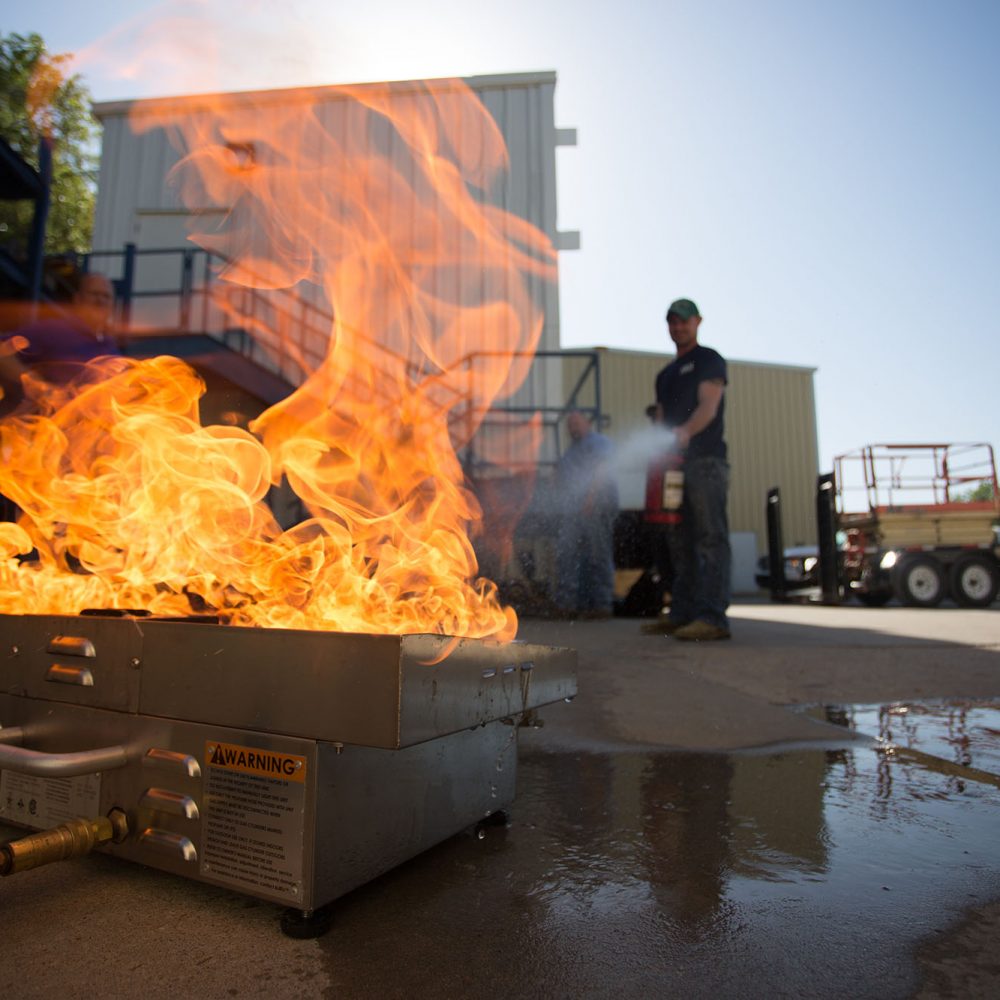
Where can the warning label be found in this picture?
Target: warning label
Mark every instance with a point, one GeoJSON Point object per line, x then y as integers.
{"type": "Point", "coordinates": [45, 802]}
{"type": "Point", "coordinates": [253, 827]}
{"type": "Point", "coordinates": [250, 760]}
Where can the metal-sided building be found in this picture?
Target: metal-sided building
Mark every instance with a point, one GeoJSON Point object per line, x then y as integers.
{"type": "Point", "coordinates": [771, 424]}
{"type": "Point", "coordinates": [136, 205]}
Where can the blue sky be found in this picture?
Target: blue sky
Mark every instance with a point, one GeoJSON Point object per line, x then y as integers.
{"type": "Point", "coordinates": [821, 178]}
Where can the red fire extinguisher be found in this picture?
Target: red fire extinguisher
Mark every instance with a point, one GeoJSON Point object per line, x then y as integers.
{"type": "Point", "coordinates": [665, 489]}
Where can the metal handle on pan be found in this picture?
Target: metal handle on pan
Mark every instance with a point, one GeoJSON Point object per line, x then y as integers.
{"type": "Point", "coordinates": [56, 765]}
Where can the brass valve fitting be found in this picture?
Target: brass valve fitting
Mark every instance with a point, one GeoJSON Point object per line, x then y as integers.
{"type": "Point", "coordinates": [73, 839]}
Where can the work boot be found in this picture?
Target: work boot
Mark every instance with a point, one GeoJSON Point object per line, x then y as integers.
{"type": "Point", "coordinates": [664, 625]}
{"type": "Point", "coordinates": [701, 631]}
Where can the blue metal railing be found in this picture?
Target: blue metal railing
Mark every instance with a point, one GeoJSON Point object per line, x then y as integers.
{"type": "Point", "coordinates": [285, 332]}
{"type": "Point", "coordinates": [277, 329]}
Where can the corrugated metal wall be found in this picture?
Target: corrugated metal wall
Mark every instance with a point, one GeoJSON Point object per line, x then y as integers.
{"type": "Point", "coordinates": [771, 427]}
{"type": "Point", "coordinates": [135, 204]}
{"type": "Point", "coordinates": [770, 430]}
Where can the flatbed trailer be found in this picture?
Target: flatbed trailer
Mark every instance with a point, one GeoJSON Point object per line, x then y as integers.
{"type": "Point", "coordinates": [925, 527]}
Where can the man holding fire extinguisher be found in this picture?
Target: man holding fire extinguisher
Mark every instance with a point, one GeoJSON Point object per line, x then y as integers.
{"type": "Point", "coordinates": [690, 402]}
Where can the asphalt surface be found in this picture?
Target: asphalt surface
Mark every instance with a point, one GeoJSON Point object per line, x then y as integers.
{"type": "Point", "coordinates": [702, 820]}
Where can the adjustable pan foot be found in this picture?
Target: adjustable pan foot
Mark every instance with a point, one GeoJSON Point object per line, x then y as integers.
{"type": "Point", "coordinates": [306, 924]}
{"type": "Point", "coordinates": [498, 818]}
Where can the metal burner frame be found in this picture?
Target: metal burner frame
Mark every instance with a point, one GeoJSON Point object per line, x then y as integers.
{"type": "Point", "coordinates": [289, 765]}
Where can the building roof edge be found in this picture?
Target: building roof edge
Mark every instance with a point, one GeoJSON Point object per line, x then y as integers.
{"type": "Point", "coordinates": [188, 102]}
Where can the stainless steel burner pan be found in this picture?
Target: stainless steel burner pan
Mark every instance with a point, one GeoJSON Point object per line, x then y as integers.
{"type": "Point", "coordinates": [366, 690]}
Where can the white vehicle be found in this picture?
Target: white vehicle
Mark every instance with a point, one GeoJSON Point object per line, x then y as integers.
{"type": "Point", "coordinates": [801, 568]}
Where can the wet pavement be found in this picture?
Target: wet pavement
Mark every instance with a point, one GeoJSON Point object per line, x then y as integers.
{"type": "Point", "coordinates": [956, 737]}
{"type": "Point", "coordinates": [804, 873]}
{"type": "Point", "coordinates": [808, 810]}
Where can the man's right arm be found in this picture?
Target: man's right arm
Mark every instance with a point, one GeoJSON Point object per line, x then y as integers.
{"type": "Point", "coordinates": [709, 398]}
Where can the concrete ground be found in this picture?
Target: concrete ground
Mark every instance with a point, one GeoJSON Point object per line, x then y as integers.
{"type": "Point", "coordinates": [728, 695]}
{"type": "Point", "coordinates": [651, 853]}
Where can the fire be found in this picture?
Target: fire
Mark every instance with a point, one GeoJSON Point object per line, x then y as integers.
{"type": "Point", "coordinates": [129, 502]}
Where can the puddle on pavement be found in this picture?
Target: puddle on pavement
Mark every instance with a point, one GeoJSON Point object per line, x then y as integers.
{"type": "Point", "coordinates": [804, 873]}
{"type": "Point", "coordinates": [960, 733]}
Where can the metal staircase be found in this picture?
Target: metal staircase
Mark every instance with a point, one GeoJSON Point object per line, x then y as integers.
{"type": "Point", "coordinates": [171, 300]}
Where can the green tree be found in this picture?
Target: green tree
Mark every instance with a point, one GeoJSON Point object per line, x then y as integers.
{"type": "Point", "coordinates": [38, 99]}
{"type": "Point", "coordinates": [984, 491]}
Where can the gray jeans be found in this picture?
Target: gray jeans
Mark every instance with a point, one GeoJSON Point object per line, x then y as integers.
{"type": "Point", "coordinates": [585, 567]}
{"type": "Point", "coordinates": [699, 545]}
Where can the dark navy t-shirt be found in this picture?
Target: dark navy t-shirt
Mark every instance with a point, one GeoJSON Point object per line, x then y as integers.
{"type": "Point", "coordinates": [57, 349]}
{"type": "Point", "coordinates": [677, 394]}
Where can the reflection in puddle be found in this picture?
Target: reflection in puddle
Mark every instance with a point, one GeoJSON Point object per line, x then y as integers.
{"type": "Point", "coordinates": [963, 733]}
{"type": "Point", "coordinates": [838, 858]}
{"type": "Point", "coordinates": [806, 873]}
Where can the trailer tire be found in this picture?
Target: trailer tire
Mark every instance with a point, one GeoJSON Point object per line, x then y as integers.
{"type": "Point", "coordinates": [974, 581]}
{"type": "Point", "coordinates": [919, 582]}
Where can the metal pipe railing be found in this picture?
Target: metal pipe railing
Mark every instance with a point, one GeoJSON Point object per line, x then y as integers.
{"type": "Point", "coordinates": [302, 330]}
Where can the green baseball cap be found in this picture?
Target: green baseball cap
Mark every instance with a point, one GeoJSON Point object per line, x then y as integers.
{"type": "Point", "coordinates": [684, 308]}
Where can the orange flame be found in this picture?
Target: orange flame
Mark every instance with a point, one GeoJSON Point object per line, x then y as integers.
{"type": "Point", "coordinates": [131, 503]}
